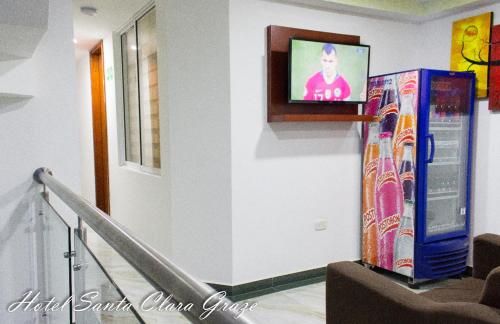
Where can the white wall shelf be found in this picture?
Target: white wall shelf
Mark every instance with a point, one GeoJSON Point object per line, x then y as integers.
{"type": "Point", "coordinates": [22, 26]}
{"type": "Point", "coordinates": [12, 98]}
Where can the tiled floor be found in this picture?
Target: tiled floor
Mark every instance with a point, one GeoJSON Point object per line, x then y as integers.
{"type": "Point", "coordinates": [131, 283]}
{"type": "Point", "coordinates": [303, 305]}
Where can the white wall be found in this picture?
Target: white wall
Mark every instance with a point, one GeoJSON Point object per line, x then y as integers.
{"type": "Point", "coordinates": [40, 132]}
{"type": "Point", "coordinates": [194, 99]}
{"type": "Point", "coordinates": [238, 197]}
{"type": "Point", "coordinates": [287, 176]}
{"type": "Point", "coordinates": [139, 200]}
{"type": "Point", "coordinates": [434, 52]}
{"type": "Point", "coordinates": [195, 88]}
{"type": "Point", "coordinates": [84, 102]}
{"type": "Point", "coordinates": [284, 177]}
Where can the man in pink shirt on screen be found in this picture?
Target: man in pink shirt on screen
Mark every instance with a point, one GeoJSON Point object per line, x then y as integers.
{"type": "Point", "coordinates": [327, 84]}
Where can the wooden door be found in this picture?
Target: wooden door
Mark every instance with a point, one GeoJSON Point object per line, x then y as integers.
{"type": "Point", "coordinates": [100, 129]}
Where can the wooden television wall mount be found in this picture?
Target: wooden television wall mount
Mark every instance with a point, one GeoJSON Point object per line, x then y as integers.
{"type": "Point", "coordinates": [278, 107]}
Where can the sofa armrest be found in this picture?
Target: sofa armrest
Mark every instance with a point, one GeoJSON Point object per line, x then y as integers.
{"type": "Point", "coordinates": [355, 295]}
{"type": "Point", "coordinates": [486, 254]}
{"type": "Point", "coordinates": [491, 290]}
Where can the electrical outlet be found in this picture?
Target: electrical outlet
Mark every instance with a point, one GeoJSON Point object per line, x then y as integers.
{"type": "Point", "coordinates": [320, 225]}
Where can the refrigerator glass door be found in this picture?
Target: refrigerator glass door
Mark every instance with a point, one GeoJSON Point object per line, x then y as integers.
{"type": "Point", "coordinates": [447, 161]}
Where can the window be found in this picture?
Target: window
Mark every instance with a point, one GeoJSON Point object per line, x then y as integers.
{"type": "Point", "coordinates": [140, 92]}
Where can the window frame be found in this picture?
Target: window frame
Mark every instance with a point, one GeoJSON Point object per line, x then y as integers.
{"type": "Point", "coordinates": [121, 92]}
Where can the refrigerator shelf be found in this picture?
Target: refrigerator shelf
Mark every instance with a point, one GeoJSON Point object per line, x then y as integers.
{"type": "Point", "coordinates": [439, 128]}
{"type": "Point", "coordinates": [447, 143]}
{"type": "Point", "coordinates": [441, 227]}
{"type": "Point", "coordinates": [452, 160]}
{"type": "Point", "coordinates": [445, 124]}
{"type": "Point", "coordinates": [435, 163]}
{"type": "Point", "coordinates": [451, 192]}
{"type": "Point", "coordinates": [442, 198]}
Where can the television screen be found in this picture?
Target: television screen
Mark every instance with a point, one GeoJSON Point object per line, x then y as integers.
{"type": "Point", "coordinates": [327, 72]}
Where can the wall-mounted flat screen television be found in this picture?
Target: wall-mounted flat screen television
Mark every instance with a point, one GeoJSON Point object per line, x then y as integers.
{"type": "Point", "coordinates": [327, 72]}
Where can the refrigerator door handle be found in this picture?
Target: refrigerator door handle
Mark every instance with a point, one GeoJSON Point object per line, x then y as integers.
{"type": "Point", "coordinates": [431, 158]}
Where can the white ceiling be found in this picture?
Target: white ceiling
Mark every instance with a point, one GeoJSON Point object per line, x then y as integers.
{"type": "Point", "coordinates": [409, 11]}
{"type": "Point", "coordinates": [111, 15]}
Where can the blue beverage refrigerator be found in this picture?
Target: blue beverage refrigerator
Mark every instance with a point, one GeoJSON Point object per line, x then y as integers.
{"type": "Point", "coordinates": [416, 173]}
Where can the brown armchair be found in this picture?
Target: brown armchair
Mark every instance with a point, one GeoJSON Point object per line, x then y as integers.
{"type": "Point", "coordinates": [355, 294]}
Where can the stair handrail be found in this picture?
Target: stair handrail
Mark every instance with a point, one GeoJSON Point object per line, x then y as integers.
{"type": "Point", "coordinates": [160, 272]}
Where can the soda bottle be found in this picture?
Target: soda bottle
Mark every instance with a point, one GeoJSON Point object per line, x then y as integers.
{"type": "Point", "coordinates": [375, 89]}
{"type": "Point", "coordinates": [405, 129]}
{"type": "Point", "coordinates": [389, 105]}
{"type": "Point", "coordinates": [388, 202]}
{"type": "Point", "coordinates": [407, 173]}
{"type": "Point", "coordinates": [433, 112]}
{"type": "Point", "coordinates": [403, 246]}
{"type": "Point", "coordinates": [439, 112]}
{"type": "Point", "coordinates": [442, 114]}
{"type": "Point", "coordinates": [370, 162]}
{"type": "Point", "coordinates": [456, 114]}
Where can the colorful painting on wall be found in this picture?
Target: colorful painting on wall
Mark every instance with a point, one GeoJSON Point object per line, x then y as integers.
{"type": "Point", "coordinates": [470, 49]}
{"type": "Point", "coordinates": [495, 69]}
